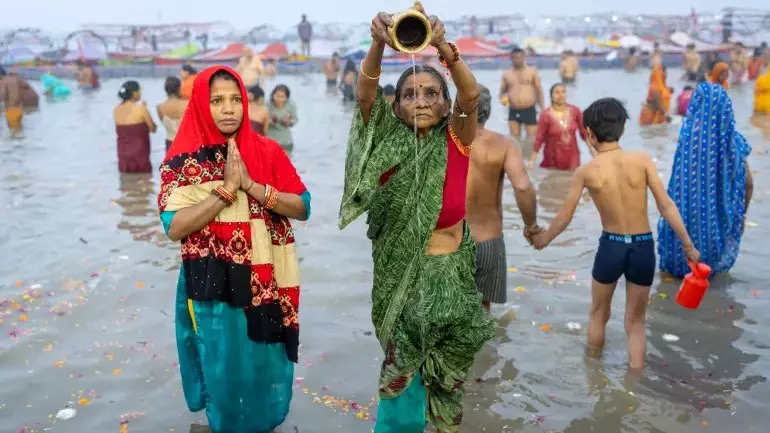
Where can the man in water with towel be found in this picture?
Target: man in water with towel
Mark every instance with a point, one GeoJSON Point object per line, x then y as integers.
{"type": "Point", "coordinates": [492, 156]}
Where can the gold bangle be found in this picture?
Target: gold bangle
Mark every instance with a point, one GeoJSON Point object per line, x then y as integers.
{"type": "Point", "coordinates": [367, 75]}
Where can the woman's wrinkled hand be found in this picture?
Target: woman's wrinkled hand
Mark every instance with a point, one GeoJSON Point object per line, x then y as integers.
{"type": "Point", "coordinates": [438, 32]}
{"type": "Point", "coordinates": [379, 28]}
{"type": "Point", "coordinates": [233, 167]}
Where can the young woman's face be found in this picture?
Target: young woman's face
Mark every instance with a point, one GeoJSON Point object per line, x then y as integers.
{"type": "Point", "coordinates": [421, 101]}
{"type": "Point", "coordinates": [137, 95]}
{"type": "Point", "coordinates": [226, 105]}
{"type": "Point", "coordinates": [559, 95]}
{"type": "Point", "coordinates": [280, 98]}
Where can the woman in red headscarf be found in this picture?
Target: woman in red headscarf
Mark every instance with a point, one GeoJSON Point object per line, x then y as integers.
{"type": "Point", "coordinates": [227, 194]}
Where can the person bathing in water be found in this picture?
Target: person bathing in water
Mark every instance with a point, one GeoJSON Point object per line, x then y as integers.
{"type": "Point", "coordinates": [568, 67]}
{"type": "Point", "coordinates": [618, 181]}
{"type": "Point", "coordinates": [739, 64]}
{"type": "Point", "coordinates": [520, 90]}
{"type": "Point", "coordinates": [171, 111]}
{"type": "Point", "coordinates": [692, 63]}
{"type": "Point", "coordinates": [259, 115]}
{"type": "Point", "coordinates": [331, 69]}
{"type": "Point", "coordinates": [348, 82]}
{"type": "Point", "coordinates": [88, 79]}
{"type": "Point", "coordinates": [631, 62]}
{"type": "Point", "coordinates": [494, 156]}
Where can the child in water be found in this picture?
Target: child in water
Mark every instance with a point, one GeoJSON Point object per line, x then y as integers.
{"type": "Point", "coordinates": [618, 181]}
{"type": "Point", "coordinates": [683, 100]}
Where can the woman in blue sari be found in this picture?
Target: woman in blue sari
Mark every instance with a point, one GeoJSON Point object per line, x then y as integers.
{"type": "Point", "coordinates": [710, 183]}
{"type": "Point", "coordinates": [227, 194]}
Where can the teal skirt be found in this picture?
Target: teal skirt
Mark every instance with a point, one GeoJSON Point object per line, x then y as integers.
{"type": "Point", "coordinates": [244, 386]}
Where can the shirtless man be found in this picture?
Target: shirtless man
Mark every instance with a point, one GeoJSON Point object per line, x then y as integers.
{"type": "Point", "coordinates": [568, 67]}
{"type": "Point", "coordinates": [692, 63]}
{"type": "Point", "coordinates": [331, 69]}
{"type": "Point", "coordinates": [618, 181]}
{"type": "Point", "coordinates": [250, 68]}
{"type": "Point", "coordinates": [16, 95]}
{"type": "Point", "coordinates": [631, 62]}
{"type": "Point", "coordinates": [656, 56]}
{"type": "Point", "coordinates": [87, 77]}
{"type": "Point", "coordinates": [739, 63]}
{"type": "Point", "coordinates": [492, 156]}
{"type": "Point", "coordinates": [520, 90]}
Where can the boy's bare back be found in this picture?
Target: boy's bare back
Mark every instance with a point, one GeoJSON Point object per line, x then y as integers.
{"type": "Point", "coordinates": [618, 182]}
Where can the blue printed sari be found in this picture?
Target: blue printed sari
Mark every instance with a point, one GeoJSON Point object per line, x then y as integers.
{"type": "Point", "coordinates": [708, 184]}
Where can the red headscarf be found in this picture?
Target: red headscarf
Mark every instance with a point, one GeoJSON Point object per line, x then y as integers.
{"type": "Point", "coordinates": [246, 256]}
{"type": "Point", "coordinates": [265, 160]}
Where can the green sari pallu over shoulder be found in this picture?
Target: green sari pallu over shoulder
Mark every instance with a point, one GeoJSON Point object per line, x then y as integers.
{"type": "Point", "coordinates": [426, 310]}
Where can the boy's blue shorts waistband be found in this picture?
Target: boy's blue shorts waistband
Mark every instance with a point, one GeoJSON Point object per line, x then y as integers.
{"type": "Point", "coordinates": [627, 239]}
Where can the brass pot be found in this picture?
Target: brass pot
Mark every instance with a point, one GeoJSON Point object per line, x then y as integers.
{"type": "Point", "coordinates": [410, 32]}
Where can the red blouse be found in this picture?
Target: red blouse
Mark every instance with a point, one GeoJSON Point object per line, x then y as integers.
{"type": "Point", "coordinates": [455, 184]}
{"type": "Point", "coordinates": [560, 140]}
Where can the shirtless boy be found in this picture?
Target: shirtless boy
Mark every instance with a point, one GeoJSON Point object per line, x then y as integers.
{"type": "Point", "coordinates": [618, 181]}
{"type": "Point", "coordinates": [492, 156]}
{"type": "Point", "coordinates": [692, 63]}
{"type": "Point", "coordinates": [331, 70]}
{"type": "Point", "coordinates": [520, 89]}
{"type": "Point", "coordinates": [631, 62]}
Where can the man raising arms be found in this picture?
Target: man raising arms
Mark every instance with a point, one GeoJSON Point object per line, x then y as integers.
{"type": "Point", "coordinates": [520, 90]}
{"type": "Point", "coordinates": [492, 156]}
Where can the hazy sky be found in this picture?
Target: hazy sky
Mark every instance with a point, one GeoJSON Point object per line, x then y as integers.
{"type": "Point", "coordinates": [58, 15]}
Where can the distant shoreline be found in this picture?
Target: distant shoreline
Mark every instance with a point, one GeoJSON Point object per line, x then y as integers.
{"type": "Point", "coordinates": [310, 67]}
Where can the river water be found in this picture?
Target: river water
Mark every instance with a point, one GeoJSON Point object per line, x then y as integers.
{"type": "Point", "coordinates": [88, 280]}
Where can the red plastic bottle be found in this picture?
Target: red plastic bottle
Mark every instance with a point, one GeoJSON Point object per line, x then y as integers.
{"type": "Point", "coordinates": [694, 286]}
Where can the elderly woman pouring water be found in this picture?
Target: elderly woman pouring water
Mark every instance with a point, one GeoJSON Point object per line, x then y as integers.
{"type": "Point", "coordinates": [408, 172]}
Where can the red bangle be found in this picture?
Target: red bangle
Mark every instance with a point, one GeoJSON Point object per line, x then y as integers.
{"type": "Point", "coordinates": [455, 51]}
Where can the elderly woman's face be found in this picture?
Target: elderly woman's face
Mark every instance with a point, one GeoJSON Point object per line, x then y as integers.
{"type": "Point", "coordinates": [225, 103]}
{"type": "Point", "coordinates": [421, 101]}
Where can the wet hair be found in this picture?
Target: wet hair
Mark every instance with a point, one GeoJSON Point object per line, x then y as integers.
{"type": "Point", "coordinates": [418, 70]}
{"type": "Point", "coordinates": [172, 86]}
{"type": "Point", "coordinates": [632, 51]}
{"type": "Point", "coordinates": [550, 92]}
{"type": "Point", "coordinates": [606, 118]}
{"type": "Point", "coordinates": [256, 92]}
{"type": "Point", "coordinates": [189, 69]}
{"type": "Point", "coordinates": [223, 75]}
{"type": "Point", "coordinates": [687, 87]}
{"type": "Point", "coordinates": [2, 72]}
{"type": "Point", "coordinates": [517, 50]}
{"type": "Point", "coordinates": [485, 104]}
{"type": "Point", "coordinates": [389, 90]}
{"type": "Point", "coordinates": [757, 52]}
{"type": "Point", "coordinates": [282, 87]}
{"type": "Point", "coordinates": [127, 90]}
{"type": "Point", "coordinates": [349, 66]}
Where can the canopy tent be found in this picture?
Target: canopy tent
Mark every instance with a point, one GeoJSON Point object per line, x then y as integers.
{"type": "Point", "coordinates": [230, 53]}
{"type": "Point", "coordinates": [84, 45]}
{"type": "Point", "coordinates": [274, 51]}
{"type": "Point", "coordinates": [17, 55]}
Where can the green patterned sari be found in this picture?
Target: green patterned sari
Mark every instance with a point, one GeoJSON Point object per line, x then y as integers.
{"type": "Point", "coordinates": [426, 309]}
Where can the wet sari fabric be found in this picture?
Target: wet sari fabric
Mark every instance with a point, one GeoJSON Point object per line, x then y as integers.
{"type": "Point", "coordinates": [238, 290]}
{"type": "Point", "coordinates": [708, 184]}
{"type": "Point", "coordinates": [426, 310]}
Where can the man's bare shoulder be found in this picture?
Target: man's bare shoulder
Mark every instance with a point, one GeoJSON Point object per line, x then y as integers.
{"type": "Point", "coordinates": [492, 145]}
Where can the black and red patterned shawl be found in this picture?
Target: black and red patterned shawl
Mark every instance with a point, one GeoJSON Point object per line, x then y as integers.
{"type": "Point", "coordinates": [246, 257]}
